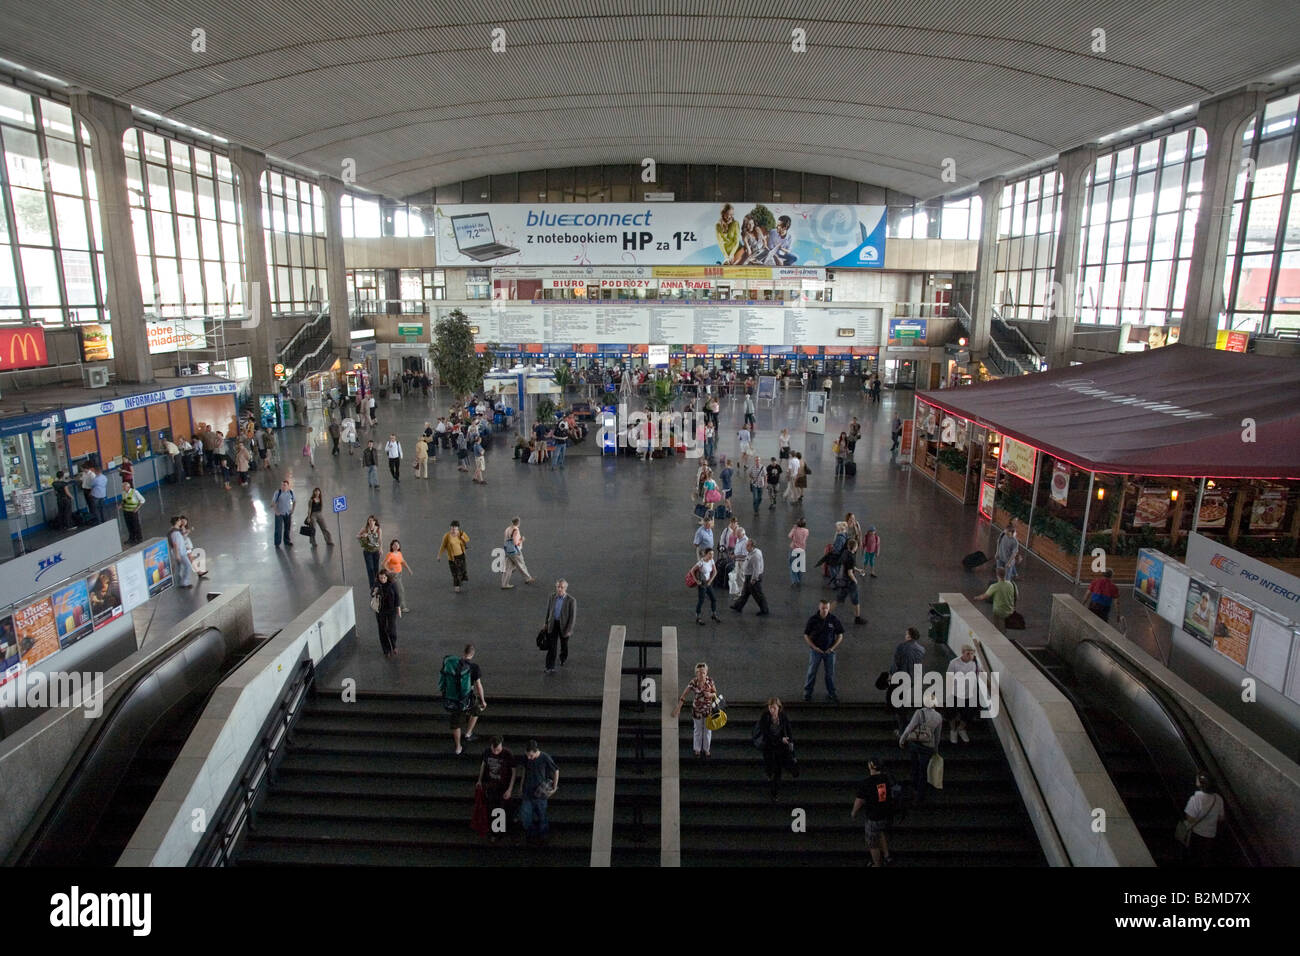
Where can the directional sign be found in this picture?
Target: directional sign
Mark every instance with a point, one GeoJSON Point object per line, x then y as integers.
{"type": "Point", "coordinates": [340, 503]}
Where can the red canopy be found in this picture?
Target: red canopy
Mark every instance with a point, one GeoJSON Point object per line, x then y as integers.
{"type": "Point", "coordinates": [1176, 410]}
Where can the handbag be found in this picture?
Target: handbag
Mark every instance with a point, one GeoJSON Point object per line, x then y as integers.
{"type": "Point", "coordinates": [542, 639]}
{"type": "Point", "coordinates": [691, 579]}
{"type": "Point", "coordinates": [306, 528]}
{"type": "Point", "coordinates": [375, 602]}
{"type": "Point", "coordinates": [1183, 831]}
{"type": "Point", "coordinates": [882, 682]}
{"type": "Point", "coordinates": [716, 720]}
{"type": "Point", "coordinates": [934, 772]}
{"type": "Point", "coordinates": [712, 496]}
{"type": "Point", "coordinates": [701, 511]}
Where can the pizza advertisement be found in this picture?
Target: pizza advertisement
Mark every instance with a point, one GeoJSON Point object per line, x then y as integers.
{"type": "Point", "coordinates": [1153, 506]}
{"type": "Point", "coordinates": [1268, 510]}
{"type": "Point", "coordinates": [1061, 483]}
{"type": "Point", "coordinates": [1214, 511]}
{"type": "Point", "coordinates": [1232, 629]}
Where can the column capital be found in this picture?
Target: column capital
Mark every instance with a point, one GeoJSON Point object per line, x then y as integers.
{"type": "Point", "coordinates": [106, 118]}
{"type": "Point", "coordinates": [1074, 164]}
{"type": "Point", "coordinates": [249, 162]}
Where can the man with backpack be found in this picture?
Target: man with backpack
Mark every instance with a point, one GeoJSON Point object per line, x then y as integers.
{"type": "Point", "coordinates": [875, 798]}
{"type": "Point", "coordinates": [461, 685]}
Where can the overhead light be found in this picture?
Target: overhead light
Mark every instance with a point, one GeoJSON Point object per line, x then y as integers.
{"type": "Point", "coordinates": [1209, 484]}
{"type": "Point", "coordinates": [1101, 494]}
{"type": "Point", "coordinates": [1173, 495]}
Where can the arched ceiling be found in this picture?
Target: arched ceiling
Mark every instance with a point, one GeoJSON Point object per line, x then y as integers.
{"type": "Point", "coordinates": [885, 92]}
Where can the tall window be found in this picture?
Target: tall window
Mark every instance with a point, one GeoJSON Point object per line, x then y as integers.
{"type": "Point", "coordinates": [185, 215]}
{"type": "Point", "coordinates": [1028, 219]}
{"type": "Point", "coordinates": [51, 250]}
{"type": "Point", "coordinates": [293, 219]}
{"type": "Point", "coordinates": [961, 217]}
{"type": "Point", "coordinates": [1262, 279]}
{"type": "Point", "coordinates": [360, 218]}
{"type": "Point", "coordinates": [1140, 205]}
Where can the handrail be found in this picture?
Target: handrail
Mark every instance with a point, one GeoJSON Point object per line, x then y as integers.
{"type": "Point", "coordinates": [236, 809]}
{"type": "Point", "coordinates": [602, 821]}
{"type": "Point", "coordinates": [292, 374]}
{"type": "Point", "coordinates": [670, 780]}
{"type": "Point", "coordinates": [1016, 333]}
{"type": "Point", "coordinates": [1007, 365]}
{"type": "Point", "coordinates": [322, 314]}
{"type": "Point", "coordinates": [963, 317]}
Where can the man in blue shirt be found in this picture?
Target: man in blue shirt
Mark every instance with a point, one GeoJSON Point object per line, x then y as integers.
{"type": "Point", "coordinates": [704, 538]}
{"type": "Point", "coordinates": [282, 505]}
{"type": "Point", "coordinates": [778, 244]}
{"type": "Point", "coordinates": [823, 634]}
{"type": "Point", "coordinates": [541, 781]}
{"type": "Point", "coordinates": [99, 496]}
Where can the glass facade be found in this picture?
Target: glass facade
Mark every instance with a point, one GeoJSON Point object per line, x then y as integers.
{"type": "Point", "coordinates": [1262, 279]}
{"type": "Point", "coordinates": [293, 221]}
{"type": "Point", "coordinates": [186, 218]}
{"type": "Point", "coordinates": [51, 250]}
{"type": "Point", "coordinates": [1029, 217]}
{"type": "Point", "coordinates": [1140, 206]}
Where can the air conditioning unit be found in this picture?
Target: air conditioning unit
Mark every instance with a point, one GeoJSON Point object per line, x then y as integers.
{"type": "Point", "coordinates": [97, 377]}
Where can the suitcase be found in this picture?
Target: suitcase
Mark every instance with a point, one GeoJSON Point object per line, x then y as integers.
{"type": "Point", "coordinates": [720, 513]}
{"type": "Point", "coordinates": [974, 560]}
{"type": "Point", "coordinates": [701, 511]}
{"type": "Point", "coordinates": [850, 469]}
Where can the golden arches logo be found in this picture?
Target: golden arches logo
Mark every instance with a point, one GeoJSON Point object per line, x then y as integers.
{"type": "Point", "coordinates": [26, 344]}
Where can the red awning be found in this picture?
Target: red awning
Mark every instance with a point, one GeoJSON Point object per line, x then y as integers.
{"type": "Point", "coordinates": [1177, 410]}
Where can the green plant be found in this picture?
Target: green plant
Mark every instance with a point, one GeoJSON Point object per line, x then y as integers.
{"type": "Point", "coordinates": [661, 395]}
{"type": "Point", "coordinates": [546, 410]}
{"type": "Point", "coordinates": [953, 459]}
{"type": "Point", "coordinates": [459, 367]}
{"type": "Point", "coordinates": [1014, 504]}
{"type": "Point", "coordinates": [563, 376]}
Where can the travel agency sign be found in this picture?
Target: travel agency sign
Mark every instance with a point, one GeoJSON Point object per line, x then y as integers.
{"type": "Point", "coordinates": [657, 234]}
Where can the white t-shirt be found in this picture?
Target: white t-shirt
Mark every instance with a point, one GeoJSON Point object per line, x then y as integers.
{"type": "Point", "coordinates": [705, 570]}
{"type": "Point", "coordinates": [1202, 804]}
{"type": "Point", "coordinates": [795, 465]}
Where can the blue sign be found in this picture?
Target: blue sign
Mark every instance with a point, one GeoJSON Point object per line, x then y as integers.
{"type": "Point", "coordinates": [609, 388]}
{"type": "Point", "coordinates": [340, 503]}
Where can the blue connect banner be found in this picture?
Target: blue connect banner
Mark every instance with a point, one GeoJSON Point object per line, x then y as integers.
{"type": "Point", "coordinates": [776, 235]}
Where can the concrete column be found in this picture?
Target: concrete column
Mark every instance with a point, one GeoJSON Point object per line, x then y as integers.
{"type": "Point", "coordinates": [1062, 302]}
{"type": "Point", "coordinates": [123, 297]}
{"type": "Point", "coordinates": [250, 166]}
{"type": "Point", "coordinates": [336, 269]}
{"type": "Point", "coordinates": [981, 309]}
{"type": "Point", "coordinates": [1224, 120]}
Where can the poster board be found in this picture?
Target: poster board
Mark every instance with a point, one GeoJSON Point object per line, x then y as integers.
{"type": "Point", "coordinates": [1232, 628]}
{"type": "Point", "coordinates": [1148, 577]}
{"type": "Point", "coordinates": [1018, 458]}
{"type": "Point", "coordinates": [1173, 593]}
{"type": "Point", "coordinates": [1271, 648]}
{"type": "Point", "coordinates": [1200, 610]}
{"type": "Point", "coordinates": [767, 387]}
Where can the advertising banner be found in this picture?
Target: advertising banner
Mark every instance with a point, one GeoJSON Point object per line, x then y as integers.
{"type": "Point", "coordinates": [1152, 507]}
{"type": "Point", "coordinates": [907, 331]}
{"type": "Point", "coordinates": [1018, 458]}
{"type": "Point", "coordinates": [157, 567]}
{"type": "Point", "coordinates": [775, 235]}
{"type": "Point", "coordinates": [34, 627]}
{"type": "Point", "coordinates": [1231, 341]}
{"type": "Point", "coordinates": [1060, 482]}
{"type": "Point", "coordinates": [10, 656]}
{"type": "Point", "coordinates": [132, 581]}
{"type": "Point", "coordinates": [176, 336]}
{"type": "Point", "coordinates": [1232, 629]}
{"type": "Point", "coordinates": [1214, 510]}
{"type": "Point", "coordinates": [1150, 570]}
{"type": "Point", "coordinates": [105, 596]}
{"type": "Point", "coordinates": [1173, 593]}
{"type": "Point", "coordinates": [22, 347]}
{"type": "Point", "coordinates": [1268, 510]}
{"type": "Point", "coordinates": [987, 491]}
{"type": "Point", "coordinates": [72, 617]}
{"type": "Point", "coordinates": [1250, 577]}
{"type": "Point", "coordinates": [1200, 610]}
{"type": "Point", "coordinates": [1142, 338]}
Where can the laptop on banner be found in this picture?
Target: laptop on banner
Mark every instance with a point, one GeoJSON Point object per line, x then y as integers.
{"type": "Point", "coordinates": [476, 239]}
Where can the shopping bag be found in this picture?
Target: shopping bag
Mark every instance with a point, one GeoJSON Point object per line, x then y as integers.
{"type": "Point", "coordinates": [934, 772]}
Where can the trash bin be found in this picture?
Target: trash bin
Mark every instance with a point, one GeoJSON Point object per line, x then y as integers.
{"type": "Point", "coordinates": [940, 619]}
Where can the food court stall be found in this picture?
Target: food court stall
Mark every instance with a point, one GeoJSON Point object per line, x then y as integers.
{"type": "Point", "coordinates": [1124, 454]}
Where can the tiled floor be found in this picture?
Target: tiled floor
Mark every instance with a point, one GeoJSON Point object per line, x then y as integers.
{"type": "Point", "coordinates": [620, 531]}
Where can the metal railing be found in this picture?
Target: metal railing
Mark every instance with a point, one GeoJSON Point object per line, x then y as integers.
{"type": "Point", "coordinates": [1010, 330]}
{"type": "Point", "coordinates": [322, 314]}
{"type": "Point", "coordinates": [963, 317]}
{"type": "Point", "coordinates": [310, 361]}
{"type": "Point", "coordinates": [236, 810]}
{"type": "Point", "coordinates": [1005, 364]}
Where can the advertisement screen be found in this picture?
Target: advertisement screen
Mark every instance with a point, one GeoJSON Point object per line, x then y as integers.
{"type": "Point", "coordinates": [907, 332]}
{"type": "Point", "coordinates": [708, 234]}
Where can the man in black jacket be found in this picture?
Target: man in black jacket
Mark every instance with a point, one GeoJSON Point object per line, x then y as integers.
{"type": "Point", "coordinates": [561, 615]}
{"type": "Point", "coordinates": [370, 458]}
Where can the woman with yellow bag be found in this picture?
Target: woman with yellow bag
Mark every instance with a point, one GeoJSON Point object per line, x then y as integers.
{"type": "Point", "coordinates": [703, 706]}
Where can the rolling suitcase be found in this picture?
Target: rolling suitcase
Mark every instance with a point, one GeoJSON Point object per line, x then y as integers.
{"type": "Point", "coordinates": [974, 560]}
{"type": "Point", "coordinates": [850, 469]}
{"type": "Point", "coordinates": [720, 513]}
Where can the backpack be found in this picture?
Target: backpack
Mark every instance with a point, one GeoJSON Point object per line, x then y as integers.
{"type": "Point", "coordinates": [453, 683]}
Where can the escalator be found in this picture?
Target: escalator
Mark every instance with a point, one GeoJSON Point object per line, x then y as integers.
{"type": "Point", "coordinates": [110, 781]}
{"type": "Point", "coordinates": [1150, 750]}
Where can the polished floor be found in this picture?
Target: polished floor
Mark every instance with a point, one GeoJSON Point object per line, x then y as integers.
{"type": "Point", "coordinates": [619, 531]}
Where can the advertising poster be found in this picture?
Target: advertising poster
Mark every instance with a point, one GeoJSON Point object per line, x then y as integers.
{"type": "Point", "coordinates": [132, 582]}
{"type": "Point", "coordinates": [1270, 649]}
{"type": "Point", "coordinates": [105, 596]}
{"type": "Point", "coordinates": [1146, 584]}
{"type": "Point", "coordinates": [1214, 510]}
{"type": "Point", "coordinates": [1152, 507]}
{"type": "Point", "coordinates": [72, 617]}
{"type": "Point", "coordinates": [1231, 341]}
{"type": "Point", "coordinates": [1200, 610]}
{"type": "Point", "coordinates": [1142, 338]}
{"type": "Point", "coordinates": [775, 235]}
{"type": "Point", "coordinates": [903, 332]}
{"type": "Point", "coordinates": [1232, 629]}
{"type": "Point", "coordinates": [1267, 510]}
{"type": "Point", "coordinates": [34, 626]}
{"type": "Point", "coordinates": [9, 654]}
{"type": "Point", "coordinates": [987, 491]}
{"type": "Point", "coordinates": [1018, 458]}
{"type": "Point", "coordinates": [909, 430]}
{"type": "Point", "coordinates": [1173, 593]}
{"type": "Point", "coordinates": [1060, 482]}
{"type": "Point", "coordinates": [157, 567]}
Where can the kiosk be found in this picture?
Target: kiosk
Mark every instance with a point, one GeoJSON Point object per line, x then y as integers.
{"type": "Point", "coordinates": [815, 416]}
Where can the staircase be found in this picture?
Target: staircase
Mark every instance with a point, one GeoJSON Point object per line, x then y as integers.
{"type": "Point", "coordinates": [729, 819]}
{"type": "Point", "coordinates": [1013, 354]}
{"type": "Point", "coordinates": [307, 349]}
{"type": "Point", "coordinates": [375, 782]}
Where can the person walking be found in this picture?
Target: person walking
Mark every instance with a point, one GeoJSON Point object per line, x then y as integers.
{"type": "Point", "coordinates": [965, 683]}
{"type": "Point", "coordinates": [454, 544]}
{"type": "Point", "coordinates": [65, 501]}
{"type": "Point", "coordinates": [243, 460]}
{"type": "Point", "coordinates": [909, 657]}
{"type": "Point", "coordinates": [753, 586]}
{"type": "Point", "coordinates": [309, 447]}
{"type": "Point", "coordinates": [798, 478]}
{"type": "Point", "coordinates": [1102, 594]}
{"type": "Point", "coordinates": [561, 615]}
{"type": "Point", "coordinates": [1002, 595]}
{"type": "Point", "coordinates": [282, 507]}
{"type": "Point", "coordinates": [704, 572]}
{"type": "Point", "coordinates": [394, 562]}
{"type": "Point", "coordinates": [370, 460]}
{"type": "Point", "coordinates": [335, 433]}
{"type": "Point", "coordinates": [513, 545]}
{"type": "Point", "coordinates": [384, 601]}
{"type": "Point", "coordinates": [480, 461]}
{"type": "Point", "coordinates": [98, 494]}
{"type": "Point", "coordinates": [704, 694]}
{"type": "Point", "coordinates": [371, 537]}
{"type": "Point", "coordinates": [783, 444]}
{"type": "Point", "coordinates": [743, 438]}
{"type": "Point", "coordinates": [870, 549]}
{"type": "Point", "coordinates": [840, 448]}
{"type": "Point", "coordinates": [394, 451]}
{"type": "Point", "coordinates": [773, 736]}
{"type": "Point", "coordinates": [541, 783]}
{"type": "Point", "coordinates": [875, 799]}
{"type": "Point", "coordinates": [852, 528]}
{"type": "Point", "coordinates": [772, 474]}
{"type": "Point", "coordinates": [895, 434]}
{"type": "Point", "coordinates": [370, 405]}
{"type": "Point", "coordinates": [823, 634]}
{"type": "Point", "coordinates": [757, 482]}
{"type": "Point", "coordinates": [1202, 816]}
{"type": "Point", "coordinates": [1007, 555]}
{"type": "Point", "coordinates": [798, 536]}
{"type": "Point", "coordinates": [132, 501]}
{"type": "Point", "coordinates": [749, 411]}
{"type": "Point", "coordinates": [465, 714]}
{"type": "Point", "coordinates": [845, 580]}
{"type": "Point", "coordinates": [496, 775]}
{"type": "Point", "coordinates": [421, 458]}
{"type": "Point", "coordinates": [560, 436]}
{"type": "Point", "coordinates": [316, 518]}
{"type": "Point", "coordinates": [176, 544]}
{"type": "Point", "coordinates": [272, 449]}
{"type": "Point", "coordinates": [349, 433]}
{"type": "Point", "coordinates": [920, 738]}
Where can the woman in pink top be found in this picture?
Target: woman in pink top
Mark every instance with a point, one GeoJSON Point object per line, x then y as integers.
{"type": "Point", "coordinates": [798, 551]}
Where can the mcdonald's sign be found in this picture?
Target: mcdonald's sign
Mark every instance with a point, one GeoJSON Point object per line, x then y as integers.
{"type": "Point", "coordinates": [23, 347]}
